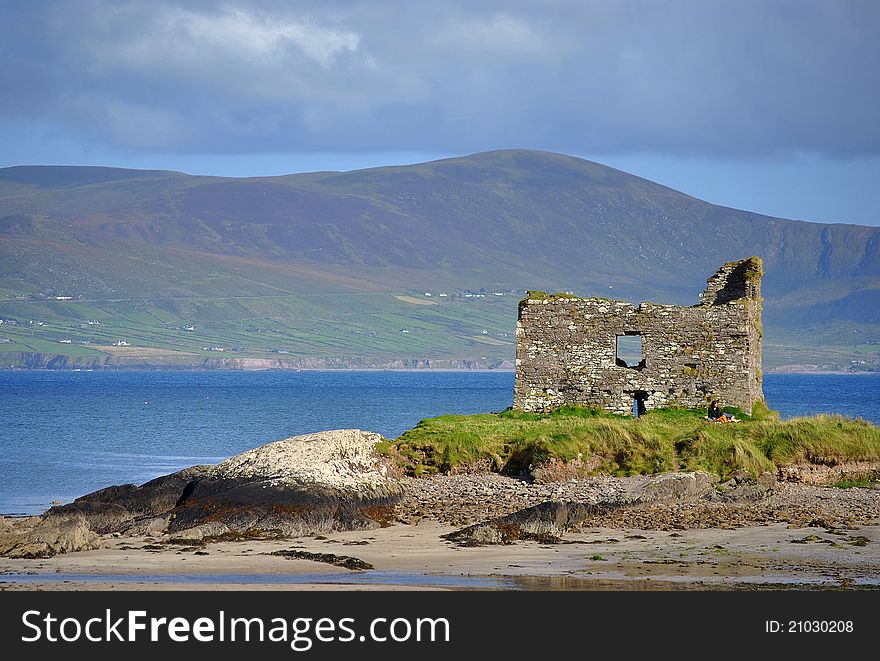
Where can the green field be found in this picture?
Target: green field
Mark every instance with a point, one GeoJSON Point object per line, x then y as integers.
{"type": "Point", "coordinates": [345, 327]}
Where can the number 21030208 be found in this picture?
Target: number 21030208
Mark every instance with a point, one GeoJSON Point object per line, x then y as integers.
{"type": "Point", "coordinates": [808, 626]}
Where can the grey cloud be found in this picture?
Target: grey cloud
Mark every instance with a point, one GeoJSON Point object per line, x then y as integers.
{"type": "Point", "coordinates": [714, 78]}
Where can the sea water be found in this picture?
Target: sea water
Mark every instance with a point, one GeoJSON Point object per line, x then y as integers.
{"type": "Point", "coordinates": [64, 433]}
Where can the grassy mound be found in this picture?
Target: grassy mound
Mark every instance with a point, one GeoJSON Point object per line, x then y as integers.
{"type": "Point", "coordinates": [661, 440]}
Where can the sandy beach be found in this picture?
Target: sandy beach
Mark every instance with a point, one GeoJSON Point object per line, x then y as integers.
{"type": "Point", "coordinates": [416, 557]}
{"type": "Point", "coordinates": [800, 537]}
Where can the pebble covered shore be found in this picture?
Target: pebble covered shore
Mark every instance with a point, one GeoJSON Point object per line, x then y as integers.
{"type": "Point", "coordinates": [466, 499]}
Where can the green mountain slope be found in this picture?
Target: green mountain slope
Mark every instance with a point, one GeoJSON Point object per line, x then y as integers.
{"type": "Point", "coordinates": [332, 268]}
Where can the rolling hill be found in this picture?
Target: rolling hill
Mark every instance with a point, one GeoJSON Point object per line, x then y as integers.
{"type": "Point", "coordinates": [334, 268]}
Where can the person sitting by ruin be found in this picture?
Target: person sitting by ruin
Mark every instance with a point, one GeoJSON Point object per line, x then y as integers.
{"type": "Point", "coordinates": [717, 415]}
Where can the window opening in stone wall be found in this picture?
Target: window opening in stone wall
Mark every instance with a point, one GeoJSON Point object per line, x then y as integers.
{"type": "Point", "coordinates": [629, 351]}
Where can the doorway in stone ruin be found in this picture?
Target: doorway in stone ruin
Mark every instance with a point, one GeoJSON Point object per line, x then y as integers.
{"type": "Point", "coordinates": [639, 398]}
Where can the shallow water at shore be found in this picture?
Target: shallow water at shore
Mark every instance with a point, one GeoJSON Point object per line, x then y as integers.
{"type": "Point", "coordinates": [610, 581]}
{"type": "Point", "coordinates": [397, 579]}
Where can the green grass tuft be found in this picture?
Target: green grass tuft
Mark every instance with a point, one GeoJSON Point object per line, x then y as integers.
{"type": "Point", "coordinates": [661, 440]}
{"type": "Point", "coordinates": [854, 484]}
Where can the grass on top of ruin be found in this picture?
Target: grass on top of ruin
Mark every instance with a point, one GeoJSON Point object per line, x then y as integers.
{"type": "Point", "coordinates": [662, 440]}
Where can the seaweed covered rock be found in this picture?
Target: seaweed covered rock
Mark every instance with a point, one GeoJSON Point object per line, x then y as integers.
{"type": "Point", "coordinates": [131, 509]}
{"type": "Point", "coordinates": [545, 523]}
{"type": "Point", "coordinates": [550, 520]}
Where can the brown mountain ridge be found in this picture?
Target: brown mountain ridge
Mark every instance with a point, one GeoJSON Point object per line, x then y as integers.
{"type": "Point", "coordinates": [164, 250]}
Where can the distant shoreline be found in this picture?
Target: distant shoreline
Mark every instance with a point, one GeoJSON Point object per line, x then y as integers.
{"type": "Point", "coordinates": [178, 368]}
{"type": "Point", "coordinates": [185, 368]}
{"type": "Point", "coordinates": [821, 373]}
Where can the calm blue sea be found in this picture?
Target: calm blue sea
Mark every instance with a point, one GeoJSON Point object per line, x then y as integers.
{"type": "Point", "coordinates": [64, 434]}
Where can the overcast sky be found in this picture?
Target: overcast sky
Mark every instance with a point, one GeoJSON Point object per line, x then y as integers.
{"type": "Point", "coordinates": [766, 105]}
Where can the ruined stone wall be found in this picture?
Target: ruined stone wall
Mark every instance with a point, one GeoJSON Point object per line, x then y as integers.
{"type": "Point", "coordinates": [566, 348]}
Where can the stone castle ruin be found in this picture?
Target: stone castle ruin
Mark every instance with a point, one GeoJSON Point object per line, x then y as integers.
{"type": "Point", "coordinates": [628, 359]}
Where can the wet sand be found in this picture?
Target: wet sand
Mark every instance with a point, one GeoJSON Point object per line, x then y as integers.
{"type": "Point", "coordinates": [775, 555]}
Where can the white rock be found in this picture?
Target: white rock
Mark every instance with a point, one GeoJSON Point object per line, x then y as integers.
{"type": "Point", "coordinates": [344, 459]}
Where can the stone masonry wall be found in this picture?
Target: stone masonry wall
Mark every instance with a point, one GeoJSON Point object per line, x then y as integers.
{"type": "Point", "coordinates": [566, 348]}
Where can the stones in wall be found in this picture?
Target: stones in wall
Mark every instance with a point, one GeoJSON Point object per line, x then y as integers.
{"type": "Point", "coordinates": [566, 348]}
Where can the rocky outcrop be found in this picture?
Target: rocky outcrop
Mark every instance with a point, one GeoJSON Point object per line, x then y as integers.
{"type": "Point", "coordinates": [554, 470]}
{"type": "Point", "coordinates": [43, 537]}
{"type": "Point", "coordinates": [332, 480]}
{"type": "Point", "coordinates": [312, 483]}
{"type": "Point", "coordinates": [132, 509]}
{"type": "Point", "coordinates": [741, 487]}
{"type": "Point", "coordinates": [342, 460]}
{"type": "Point", "coordinates": [548, 521]}
{"type": "Point", "coordinates": [545, 523]}
{"type": "Point", "coordinates": [669, 487]}
{"type": "Point", "coordinates": [821, 474]}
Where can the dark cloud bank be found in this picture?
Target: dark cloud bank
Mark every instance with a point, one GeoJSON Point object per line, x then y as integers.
{"type": "Point", "coordinates": [745, 78]}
